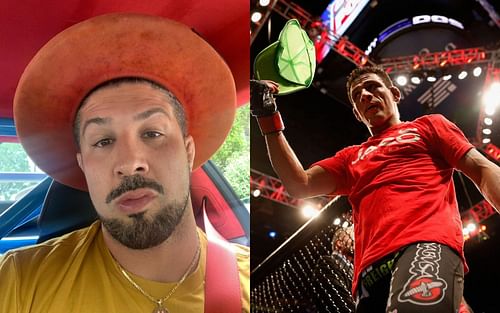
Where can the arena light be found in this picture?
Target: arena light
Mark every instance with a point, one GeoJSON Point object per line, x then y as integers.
{"type": "Point", "coordinates": [336, 222]}
{"type": "Point", "coordinates": [345, 224]}
{"type": "Point", "coordinates": [491, 98]}
{"type": "Point", "coordinates": [272, 234]}
{"type": "Point", "coordinates": [462, 75]}
{"type": "Point", "coordinates": [264, 3]}
{"type": "Point", "coordinates": [486, 140]}
{"type": "Point", "coordinates": [487, 131]}
{"type": "Point", "coordinates": [401, 80]}
{"type": "Point", "coordinates": [471, 227]}
{"type": "Point", "coordinates": [415, 80]}
{"type": "Point", "coordinates": [447, 77]}
{"type": "Point", "coordinates": [488, 121]}
{"type": "Point", "coordinates": [309, 211]}
{"type": "Point", "coordinates": [256, 16]}
{"type": "Point", "coordinates": [489, 110]}
{"type": "Point", "coordinates": [256, 193]}
{"type": "Point", "coordinates": [431, 78]}
{"type": "Point", "coordinates": [465, 231]}
{"type": "Point", "coordinates": [477, 71]}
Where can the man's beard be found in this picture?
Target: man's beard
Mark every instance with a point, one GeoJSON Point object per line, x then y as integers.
{"type": "Point", "coordinates": [144, 232]}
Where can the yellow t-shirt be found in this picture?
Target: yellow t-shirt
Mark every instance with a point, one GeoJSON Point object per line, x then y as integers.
{"type": "Point", "coordinates": [76, 273]}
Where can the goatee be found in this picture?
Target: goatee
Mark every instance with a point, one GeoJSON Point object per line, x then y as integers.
{"type": "Point", "coordinates": [145, 231]}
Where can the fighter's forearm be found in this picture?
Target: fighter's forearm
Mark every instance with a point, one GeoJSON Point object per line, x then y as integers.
{"type": "Point", "coordinates": [484, 173]}
{"type": "Point", "coordinates": [287, 165]}
{"type": "Point", "coordinates": [283, 159]}
{"type": "Point", "coordinates": [490, 185]}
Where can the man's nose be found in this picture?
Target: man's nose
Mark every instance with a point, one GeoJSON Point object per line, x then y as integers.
{"type": "Point", "coordinates": [130, 159]}
{"type": "Point", "coordinates": [366, 96]}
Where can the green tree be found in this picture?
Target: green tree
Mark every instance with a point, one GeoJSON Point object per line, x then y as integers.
{"type": "Point", "coordinates": [13, 159]}
{"type": "Point", "coordinates": [233, 158]}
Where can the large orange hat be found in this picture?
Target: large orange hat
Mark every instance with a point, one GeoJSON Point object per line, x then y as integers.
{"type": "Point", "coordinates": [112, 46]}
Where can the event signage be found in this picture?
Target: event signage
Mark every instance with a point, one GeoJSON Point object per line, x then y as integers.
{"type": "Point", "coordinates": [410, 22]}
{"type": "Point", "coordinates": [335, 20]}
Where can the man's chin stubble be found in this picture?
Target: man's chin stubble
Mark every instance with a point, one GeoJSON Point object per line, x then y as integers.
{"type": "Point", "coordinates": [143, 231]}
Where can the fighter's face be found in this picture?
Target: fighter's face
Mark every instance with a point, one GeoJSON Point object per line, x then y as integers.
{"type": "Point", "coordinates": [344, 242]}
{"type": "Point", "coordinates": [136, 162]}
{"type": "Point", "coordinates": [374, 103]}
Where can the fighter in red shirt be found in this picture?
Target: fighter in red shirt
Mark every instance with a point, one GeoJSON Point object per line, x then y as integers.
{"type": "Point", "coordinates": [409, 243]}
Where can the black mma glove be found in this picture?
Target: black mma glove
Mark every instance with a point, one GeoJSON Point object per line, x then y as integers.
{"type": "Point", "coordinates": [263, 106]}
{"type": "Point", "coordinates": [261, 98]}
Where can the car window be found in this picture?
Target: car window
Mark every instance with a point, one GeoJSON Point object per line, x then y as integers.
{"type": "Point", "coordinates": [18, 174]}
{"type": "Point", "coordinates": [233, 157]}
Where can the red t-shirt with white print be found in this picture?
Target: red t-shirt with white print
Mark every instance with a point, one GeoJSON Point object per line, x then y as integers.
{"type": "Point", "coordinates": [400, 186]}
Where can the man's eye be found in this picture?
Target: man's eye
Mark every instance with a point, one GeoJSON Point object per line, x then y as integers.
{"type": "Point", "coordinates": [103, 142]}
{"type": "Point", "coordinates": [151, 134]}
{"type": "Point", "coordinates": [374, 86]}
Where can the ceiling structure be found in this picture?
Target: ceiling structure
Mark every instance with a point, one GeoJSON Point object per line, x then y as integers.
{"type": "Point", "coordinates": [319, 120]}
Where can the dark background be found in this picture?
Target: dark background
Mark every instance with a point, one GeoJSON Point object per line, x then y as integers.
{"type": "Point", "coordinates": [319, 121]}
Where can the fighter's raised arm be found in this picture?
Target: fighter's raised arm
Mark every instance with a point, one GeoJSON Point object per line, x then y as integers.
{"type": "Point", "coordinates": [284, 67]}
{"type": "Point", "coordinates": [298, 182]}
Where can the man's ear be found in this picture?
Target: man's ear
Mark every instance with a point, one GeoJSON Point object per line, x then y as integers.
{"type": "Point", "coordinates": [79, 160]}
{"type": "Point", "coordinates": [190, 150]}
{"type": "Point", "coordinates": [396, 94]}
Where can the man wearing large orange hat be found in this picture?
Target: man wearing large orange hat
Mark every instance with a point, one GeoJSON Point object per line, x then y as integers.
{"type": "Point", "coordinates": [116, 105]}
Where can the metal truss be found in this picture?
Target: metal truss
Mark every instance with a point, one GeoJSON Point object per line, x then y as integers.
{"type": "Point", "coordinates": [479, 212]}
{"type": "Point", "coordinates": [493, 152]}
{"type": "Point", "coordinates": [268, 187]}
{"type": "Point", "coordinates": [439, 60]}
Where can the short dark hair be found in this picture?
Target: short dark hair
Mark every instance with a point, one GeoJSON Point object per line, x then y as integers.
{"type": "Point", "coordinates": [179, 112]}
{"type": "Point", "coordinates": [357, 72]}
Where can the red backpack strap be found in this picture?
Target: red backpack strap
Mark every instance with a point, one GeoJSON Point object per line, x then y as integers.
{"type": "Point", "coordinates": [222, 280]}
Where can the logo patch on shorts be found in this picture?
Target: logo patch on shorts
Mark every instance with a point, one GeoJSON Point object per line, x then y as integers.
{"type": "Point", "coordinates": [425, 286]}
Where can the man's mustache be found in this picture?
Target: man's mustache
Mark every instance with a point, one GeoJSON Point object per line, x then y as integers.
{"type": "Point", "coordinates": [133, 182]}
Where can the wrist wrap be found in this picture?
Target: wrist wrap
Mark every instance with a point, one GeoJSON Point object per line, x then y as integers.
{"type": "Point", "coordinates": [271, 124]}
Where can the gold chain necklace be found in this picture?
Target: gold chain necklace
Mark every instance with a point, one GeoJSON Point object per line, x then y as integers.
{"type": "Point", "coordinates": [160, 308]}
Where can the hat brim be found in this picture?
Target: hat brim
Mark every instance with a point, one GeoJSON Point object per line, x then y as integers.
{"type": "Point", "coordinates": [265, 68]}
{"type": "Point", "coordinates": [112, 46]}
{"type": "Point", "coordinates": [290, 61]}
